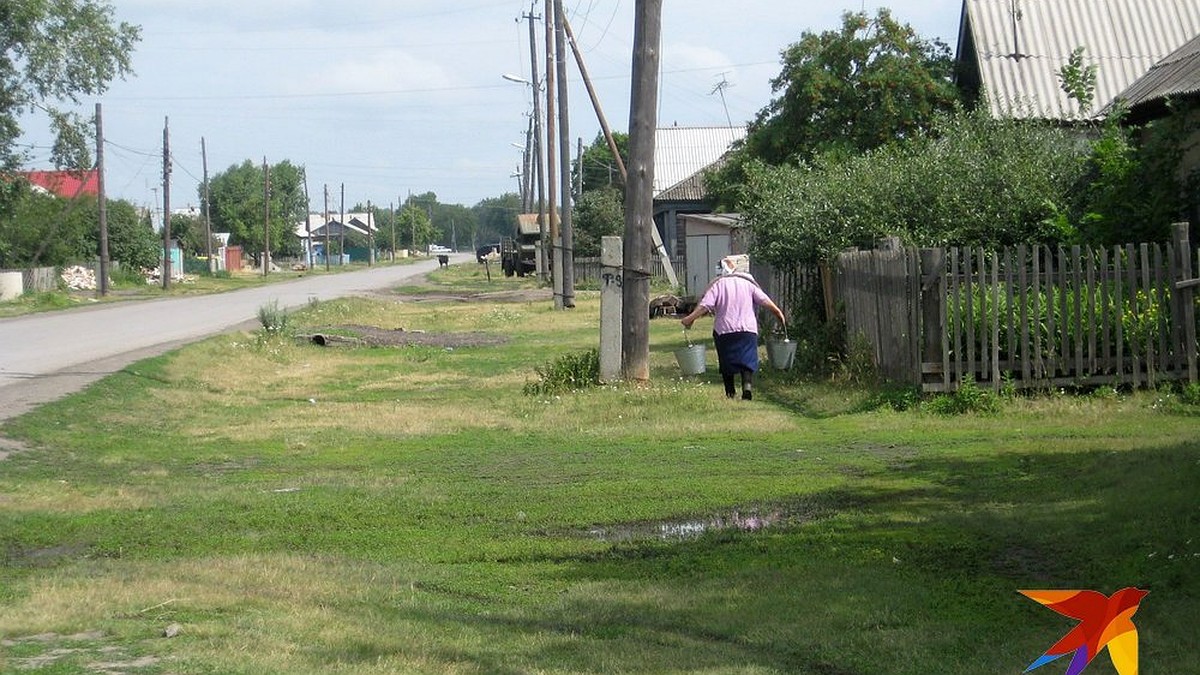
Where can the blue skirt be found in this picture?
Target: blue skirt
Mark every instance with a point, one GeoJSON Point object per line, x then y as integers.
{"type": "Point", "coordinates": [737, 352]}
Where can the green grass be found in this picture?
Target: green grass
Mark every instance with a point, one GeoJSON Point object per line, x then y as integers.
{"type": "Point", "coordinates": [370, 510]}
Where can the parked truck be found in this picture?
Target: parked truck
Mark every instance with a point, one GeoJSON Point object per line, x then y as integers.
{"type": "Point", "coordinates": [518, 254]}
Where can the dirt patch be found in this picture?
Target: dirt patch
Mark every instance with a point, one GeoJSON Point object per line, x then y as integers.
{"type": "Point", "coordinates": [371, 336]}
{"type": "Point", "coordinates": [512, 295]}
{"type": "Point", "coordinates": [9, 446]}
{"type": "Point", "coordinates": [92, 651]}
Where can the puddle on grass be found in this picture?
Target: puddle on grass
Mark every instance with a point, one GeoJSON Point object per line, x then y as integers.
{"type": "Point", "coordinates": [740, 520]}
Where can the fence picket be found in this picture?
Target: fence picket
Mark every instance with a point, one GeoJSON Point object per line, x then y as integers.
{"type": "Point", "coordinates": [1118, 313]}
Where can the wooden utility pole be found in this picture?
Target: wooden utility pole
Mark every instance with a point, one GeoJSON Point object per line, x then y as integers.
{"type": "Point", "coordinates": [639, 190]}
{"type": "Point", "coordinates": [578, 191]}
{"type": "Point", "coordinates": [543, 267]}
{"type": "Point", "coordinates": [527, 170]}
{"type": "Point", "coordinates": [307, 220]}
{"type": "Point", "coordinates": [392, 210]}
{"type": "Point", "coordinates": [102, 282]}
{"type": "Point", "coordinates": [412, 221]}
{"type": "Point", "coordinates": [326, 227]}
{"type": "Point", "coordinates": [212, 264]}
{"type": "Point", "coordinates": [370, 237]}
{"type": "Point", "coordinates": [566, 251]}
{"type": "Point", "coordinates": [166, 226]}
{"type": "Point", "coordinates": [612, 147]}
{"type": "Point", "coordinates": [555, 261]}
{"type": "Point", "coordinates": [266, 256]}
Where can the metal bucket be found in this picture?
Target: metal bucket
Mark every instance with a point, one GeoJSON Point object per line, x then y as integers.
{"type": "Point", "coordinates": [781, 353]}
{"type": "Point", "coordinates": [691, 359]}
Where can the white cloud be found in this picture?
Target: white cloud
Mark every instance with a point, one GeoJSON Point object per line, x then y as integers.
{"type": "Point", "coordinates": [390, 70]}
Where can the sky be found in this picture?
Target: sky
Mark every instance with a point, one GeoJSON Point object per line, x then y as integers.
{"type": "Point", "coordinates": [389, 98]}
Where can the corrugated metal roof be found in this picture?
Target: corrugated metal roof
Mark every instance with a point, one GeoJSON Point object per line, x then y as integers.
{"type": "Point", "coordinates": [1178, 74]}
{"type": "Point", "coordinates": [1022, 45]}
{"type": "Point", "coordinates": [527, 223]}
{"type": "Point", "coordinates": [679, 152]}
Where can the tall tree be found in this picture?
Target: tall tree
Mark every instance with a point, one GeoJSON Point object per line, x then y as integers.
{"type": "Point", "coordinates": [497, 217]}
{"type": "Point", "coordinates": [236, 205]}
{"type": "Point", "coordinates": [415, 227]}
{"type": "Point", "coordinates": [53, 54]}
{"type": "Point", "coordinates": [872, 82]}
{"type": "Point", "coordinates": [599, 166]}
{"type": "Point", "coordinates": [49, 230]}
{"type": "Point", "coordinates": [854, 89]}
{"type": "Point", "coordinates": [598, 213]}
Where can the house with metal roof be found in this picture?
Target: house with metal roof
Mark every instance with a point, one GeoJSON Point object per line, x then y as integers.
{"type": "Point", "coordinates": [1176, 77]}
{"type": "Point", "coordinates": [1010, 52]}
{"type": "Point", "coordinates": [681, 156]}
{"type": "Point", "coordinates": [354, 235]}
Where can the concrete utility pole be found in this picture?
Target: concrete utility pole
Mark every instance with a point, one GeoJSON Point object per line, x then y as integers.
{"type": "Point", "coordinates": [342, 230]}
{"type": "Point", "coordinates": [166, 273]}
{"type": "Point", "coordinates": [567, 248]}
{"type": "Point", "coordinates": [611, 282]}
{"type": "Point", "coordinates": [639, 190]}
{"type": "Point", "coordinates": [102, 282]}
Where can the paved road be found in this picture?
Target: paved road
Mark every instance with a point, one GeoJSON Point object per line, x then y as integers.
{"type": "Point", "coordinates": [46, 356]}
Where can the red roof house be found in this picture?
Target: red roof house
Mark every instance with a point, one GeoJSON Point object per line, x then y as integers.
{"type": "Point", "coordinates": [66, 184]}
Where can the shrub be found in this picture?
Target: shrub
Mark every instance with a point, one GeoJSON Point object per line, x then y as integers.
{"type": "Point", "coordinates": [969, 398]}
{"type": "Point", "coordinates": [1190, 393]}
{"type": "Point", "coordinates": [569, 372]}
{"type": "Point", "coordinates": [273, 319]}
{"type": "Point", "coordinates": [972, 181]}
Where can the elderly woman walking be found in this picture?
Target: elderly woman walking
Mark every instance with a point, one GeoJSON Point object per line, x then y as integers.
{"type": "Point", "coordinates": [732, 299]}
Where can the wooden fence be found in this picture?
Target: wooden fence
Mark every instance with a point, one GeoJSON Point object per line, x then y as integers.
{"type": "Point", "coordinates": [588, 269]}
{"type": "Point", "coordinates": [40, 279]}
{"type": "Point", "coordinates": [1024, 316]}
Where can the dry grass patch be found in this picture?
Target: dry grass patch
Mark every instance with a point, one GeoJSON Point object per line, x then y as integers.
{"type": "Point", "coordinates": [397, 418]}
{"type": "Point", "coordinates": [63, 497]}
{"type": "Point", "coordinates": [253, 613]}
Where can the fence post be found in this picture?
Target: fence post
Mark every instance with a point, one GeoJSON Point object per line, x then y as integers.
{"type": "Point", "coordinates": [1186, 286]}
{"type": "Point", "coordinates": [931, 301]}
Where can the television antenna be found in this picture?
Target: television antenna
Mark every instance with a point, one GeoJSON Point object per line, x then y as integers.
{"type": "Point", "coordinates": [720, 89]}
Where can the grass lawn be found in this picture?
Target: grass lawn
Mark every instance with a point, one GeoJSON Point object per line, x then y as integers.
{"type": "Point", "coordinates": [281, 507]}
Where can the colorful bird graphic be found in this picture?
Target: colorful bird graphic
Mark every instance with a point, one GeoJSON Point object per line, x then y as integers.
{"type": "Point", "coordinates": [1104, 621]}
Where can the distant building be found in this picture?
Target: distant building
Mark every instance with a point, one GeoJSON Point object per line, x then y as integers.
{"type": "Point", "coordinates": [681, 156]}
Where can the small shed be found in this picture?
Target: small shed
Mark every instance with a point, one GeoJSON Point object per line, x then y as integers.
{"type": "Point", "coordinates": [708, 237]}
